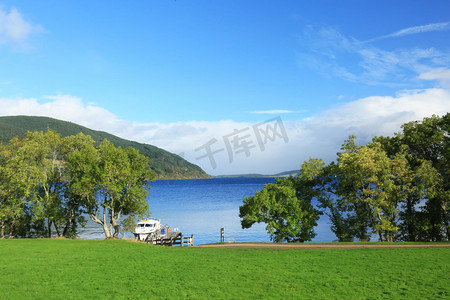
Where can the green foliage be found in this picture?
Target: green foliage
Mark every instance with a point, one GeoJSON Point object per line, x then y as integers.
{"type": "Point", "coordinates": [428, 141]}
{"type": "Point", "coordinates": [327, 183]}
{"type": "Point", "coordinates": [397, 187]}
{"type": "Point", "coordinates": [14, 189]}
{"type": "Point", "coordinates": [46, 154]}
{"type": "Point", "coordinates": [80, 269]}
{"type": "Point", "coordinates": [165, 165]}
{"type": "Point", "coordinates": [369, 184]}
{"type": "Point", "coordinates": [47, 178]}
{"type": "Point", "coordinates": [285, 208]}
{"type": "Point", "coordinates": [121, 185]}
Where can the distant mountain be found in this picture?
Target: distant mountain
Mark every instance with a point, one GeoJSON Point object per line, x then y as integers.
{"type": "Point", "coordinates": [166, 165]}
{"type": "Point", "coordinates": [278, 175]}
{"type": "Point", "coordinates": [287, 173]}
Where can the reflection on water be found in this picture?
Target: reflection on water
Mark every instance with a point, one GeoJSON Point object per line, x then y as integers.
{"type": "Point", "coordinates": [202, 206]}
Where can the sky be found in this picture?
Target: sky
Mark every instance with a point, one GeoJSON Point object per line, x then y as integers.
{"type": "Point", "coordinates": [232, 86]}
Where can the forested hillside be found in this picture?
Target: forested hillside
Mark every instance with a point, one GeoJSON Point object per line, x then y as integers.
{"type": "Point", "coordinates": [166, 165]}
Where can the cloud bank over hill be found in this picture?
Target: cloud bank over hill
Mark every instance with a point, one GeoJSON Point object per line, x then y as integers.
{"type": "Point", "coordinates": [271, 146]}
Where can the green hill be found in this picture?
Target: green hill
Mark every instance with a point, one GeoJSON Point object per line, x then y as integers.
{"type": "Point", "coordinates": [166, 165]}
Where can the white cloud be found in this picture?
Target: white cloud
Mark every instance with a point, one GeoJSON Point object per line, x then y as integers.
{"type": "Point", "coordinates": [317, 136]}
{"type": "Point", "coordinates": [331, 53]}
{"type": "Point", "coordinates": [440, 74]}
{"type": "Point", "coordinates": [382, 115]}
{"type": "Point", "coordinates": [14, 30]}
{"type": "Point", "coordinates": [417, 29]}
{"type": "Point", "coordinates": [64, 107]}
{"type": "Point", "coordinates": [273, 112]}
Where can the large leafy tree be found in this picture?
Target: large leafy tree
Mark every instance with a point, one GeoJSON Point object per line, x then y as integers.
{"type": "Point", "coordinates": [52, 201]}
{"type": "Point", "coordinates": [378, 183]}
{"type": "Point", "coordinates": [45, 154]}
{"type": "Point", "coordinates": [350, 214]}
{"type": "Point", "coordinates": [425, 213]}
{"type": "Point", "coordinates": [83, 167]}
{"type": "Point", "coordinates": [112, 182]}
{"type": "Point", "coordinates": [429, 140]}
{"type": "Point", "coordinates": [17, 180]}
{"type": "Point", "coordinates": [397, 187]}
{"type": "Point", "coordinates": [45, 178]}
{"type": "Point", "coordinates": [326, 181]}
{"type": "Point", "coordinates": [285, 207]}
{"type": "Point", "coordinates": [367, 172]}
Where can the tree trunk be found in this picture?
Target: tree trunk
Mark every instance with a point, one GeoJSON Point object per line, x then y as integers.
{"type": "Point", "coordinates": [115, 224]}
{"type": "Point", "coordinates": [410, 221]}
{"type": "Point", "coordinates": [380, 235]}
{"type": "Point", "coordinates": [49, 227]}
{"type": "Point", "coordinates": [69, 221]}
{"type": "Point", "coordinates": [380, 231]}
{"type": "Point", "coordinates": [58, 233]}
{"type": "Point", "coordinates": [2, 229]}
{"type": "Point", "coordinates": [111, 219]}
{"type": "Point", "coordinates": [445, 219]}
{"type": "Point", "coordinates": [103, 223]}
{"type": "Point", "coordinates": [11, 230]}
{"type": "Point", "coordinates": [389, 236]}
{"type": "Point", "coordinates": [66, 227]}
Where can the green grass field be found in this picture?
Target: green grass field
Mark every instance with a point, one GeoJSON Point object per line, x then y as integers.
{"type": "Point", "coordinates": [116, 269]}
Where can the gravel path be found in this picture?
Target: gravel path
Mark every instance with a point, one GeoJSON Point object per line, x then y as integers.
{"type": "Point", "coordinates": [320, 246]}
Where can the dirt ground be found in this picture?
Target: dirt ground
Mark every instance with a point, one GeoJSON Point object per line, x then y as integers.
{"type": "Point", "coordinates": [321, 246]}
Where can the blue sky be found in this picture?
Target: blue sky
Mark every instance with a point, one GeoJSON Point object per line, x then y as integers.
{"type": "Point", "coordinates": [181, 74]}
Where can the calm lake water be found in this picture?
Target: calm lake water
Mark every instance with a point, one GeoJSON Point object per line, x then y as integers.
{"type": "Point", "coordinates": [202, 206]}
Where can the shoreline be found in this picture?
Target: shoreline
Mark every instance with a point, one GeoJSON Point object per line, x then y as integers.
{"type": "Point", "coordinates": [320, 246]}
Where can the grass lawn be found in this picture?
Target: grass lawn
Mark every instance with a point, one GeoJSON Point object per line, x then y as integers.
{"type": "Point", "coordinates": [115, 269]}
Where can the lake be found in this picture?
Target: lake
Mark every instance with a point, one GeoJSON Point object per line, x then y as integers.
{"type": "Point", "coordinates": [202, 206]}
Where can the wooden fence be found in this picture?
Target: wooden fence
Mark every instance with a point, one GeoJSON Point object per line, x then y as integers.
{"type": "Point", "coordinates": [172, 240]}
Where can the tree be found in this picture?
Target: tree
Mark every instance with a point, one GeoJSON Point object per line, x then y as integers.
{"type": "Point", "coordinates": [46, 154]}
{"type": "Point", "coordinates": [47, 178]}
{"type": "Point", "coordinates": [370, 180]}
{"type": "Point", "coordinates": [429, 140]}
{"type": "Point", "coordinates": [286, 209]}
{"type": "Point", "coordinates": [419, 184]}
{"type": "Point", "coordinates": [83, 167]}
{"type": "Point", "coordinates": [351, 217]}
{"type": "Point", "coordinates": [112, 182]}
{"type": "Point", "coordinates": [425, 186]}
{"type": "Point", "coordinates": [326, 181]}
{"type": "Point", "coordinates": [16, 184]}
{"type": "Point", "coordinates": [395, 186]}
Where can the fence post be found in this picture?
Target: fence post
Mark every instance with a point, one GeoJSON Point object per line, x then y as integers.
{"type": "Point", "coordinates": [182, 241]}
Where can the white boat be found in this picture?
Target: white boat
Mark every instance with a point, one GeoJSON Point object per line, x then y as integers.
{"type": "Point", "coordinates": [151, 229]}
{"type": "Point", "coordinates": [147, 227]}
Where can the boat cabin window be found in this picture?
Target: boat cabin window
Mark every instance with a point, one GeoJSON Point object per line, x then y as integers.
{"type": "Point", "coordinates": [147, 225]}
